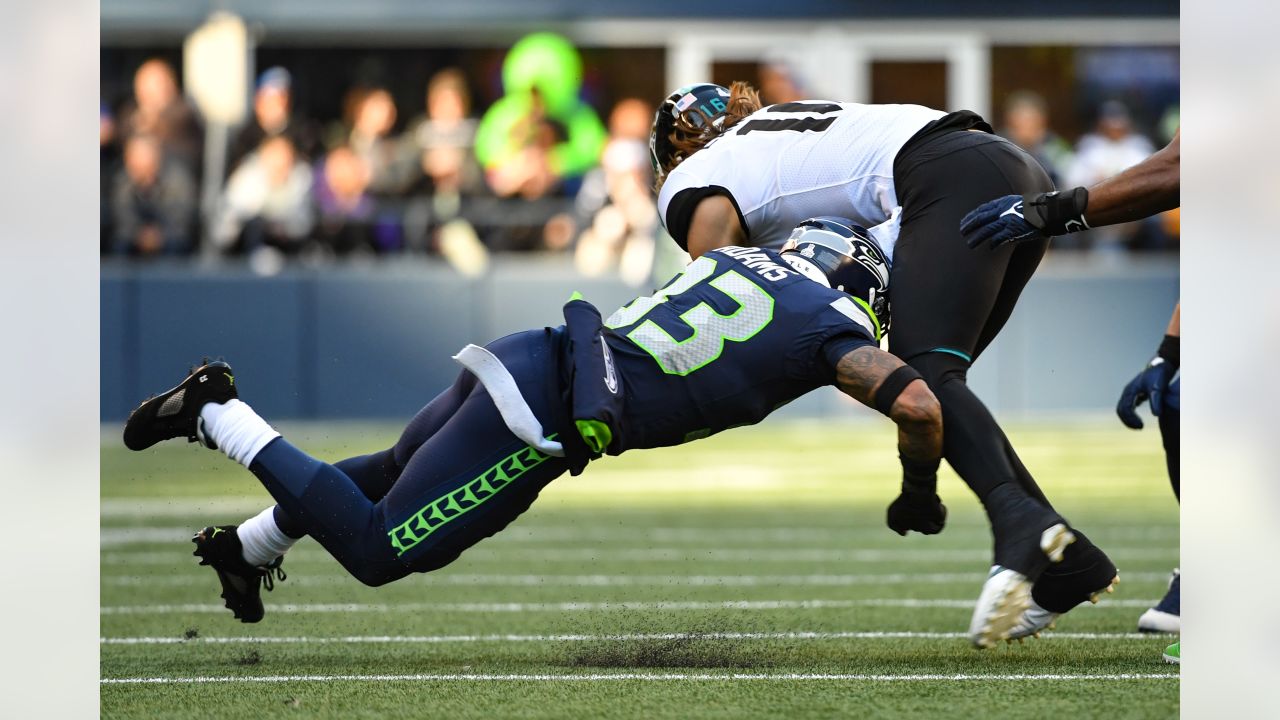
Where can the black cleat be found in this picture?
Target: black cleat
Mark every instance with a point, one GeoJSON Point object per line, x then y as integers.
{"type": "Point", "coordinates": [219, 547]}
{"type": "Point", "coordinates": [176, 412]}
{"type": "Point", "coordinates": [1085, 574]}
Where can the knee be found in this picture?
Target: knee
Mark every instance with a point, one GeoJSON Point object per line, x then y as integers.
{"type": "Point", "coordinates": [938, 367]}
{"type": "Point", "coordinates": [377, 574]}
{"type": "Point", "coordinates": [374, 566]}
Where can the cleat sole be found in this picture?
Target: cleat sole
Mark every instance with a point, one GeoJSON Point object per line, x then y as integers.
{"type": "Point", "coordinates": [1005, 596]}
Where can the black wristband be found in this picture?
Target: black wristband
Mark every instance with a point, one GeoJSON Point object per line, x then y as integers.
{"type": "Point", "coordinates": [920, 477]}
{"type": "Point", "coordinates": [893, 386]}
{"type": "Point", "coordinates": [1057, 213]}
{"type": "Point", "coordinates": [1169, 351]}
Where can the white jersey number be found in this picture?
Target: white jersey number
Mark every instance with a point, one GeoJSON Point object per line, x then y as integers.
{"type": "Point", "coordinates": [710, 329]}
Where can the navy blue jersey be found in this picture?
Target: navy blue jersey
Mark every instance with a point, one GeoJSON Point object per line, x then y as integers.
{"type": "Point", "coordinates": [735, 336]}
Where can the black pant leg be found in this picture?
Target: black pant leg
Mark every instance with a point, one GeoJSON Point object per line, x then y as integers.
{"type": "Point", "coordinates": [1169, 435]}
{"type": "Point", "coordinates": [949, 302]}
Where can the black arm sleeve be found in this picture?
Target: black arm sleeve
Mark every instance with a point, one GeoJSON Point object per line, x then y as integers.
{"type": "Point", "coordinates": [680, 212]}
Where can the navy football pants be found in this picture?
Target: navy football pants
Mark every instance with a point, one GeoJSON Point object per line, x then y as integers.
{"type": "Point", "coordinates": [456, 476]}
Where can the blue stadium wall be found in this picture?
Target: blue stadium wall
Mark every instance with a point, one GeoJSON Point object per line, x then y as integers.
{"type": "Point", "coordinates": [375, 342]}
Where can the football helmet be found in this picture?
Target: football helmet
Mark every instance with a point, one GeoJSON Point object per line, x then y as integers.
{"type": "Point", "coordinates": [848, 258]}
{"type": "Point", "coordinates": [702, 105]}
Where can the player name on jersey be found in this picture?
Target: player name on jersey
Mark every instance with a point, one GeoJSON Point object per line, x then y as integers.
{"type": "Point", "coordinates": [759, 262]}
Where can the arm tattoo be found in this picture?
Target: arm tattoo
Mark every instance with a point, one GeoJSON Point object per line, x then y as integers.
{"type": "Point", "coordinates": [860, 372]}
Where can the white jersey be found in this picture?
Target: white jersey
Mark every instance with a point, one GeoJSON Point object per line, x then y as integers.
{"type": "Point", "coordinates": [785, 163]}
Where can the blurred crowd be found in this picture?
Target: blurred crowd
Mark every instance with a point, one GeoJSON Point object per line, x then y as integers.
{"type": "Point", "coordinates": [537, 170]}
{"type": "Point", "coordinates": [1112, 146]}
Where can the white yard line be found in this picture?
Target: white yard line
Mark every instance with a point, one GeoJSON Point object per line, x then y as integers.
{"type": "Point", "coordinates": [518, 607]}
{"type": "Point", "coordinates": [521, 580]}
{"type": "Point", "coordinates": [554, 553]}
{"type": "Point", "coordinates": [117, 536]}
{"type": "Point", "coordinates": [447, 639]}
{"type": "Point", "coordinates": [650, 677]}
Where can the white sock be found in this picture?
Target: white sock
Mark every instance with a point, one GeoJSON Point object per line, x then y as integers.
{"type": "Point", "coordinates": [262, 539]}
{"type": "Point", "coordinates": [236, 429]}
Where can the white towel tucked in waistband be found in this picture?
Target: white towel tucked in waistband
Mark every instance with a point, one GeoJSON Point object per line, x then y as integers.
{"type": "Point", "coordinates": [515, 411]}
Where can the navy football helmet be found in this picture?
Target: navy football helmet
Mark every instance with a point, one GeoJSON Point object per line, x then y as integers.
{"type": "Point", "coordinates": [847, 257]}
{"type": "Point", "coordinates": [702, 105]}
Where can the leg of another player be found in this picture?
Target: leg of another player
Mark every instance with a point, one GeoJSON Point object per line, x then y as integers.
{"type": "Point", "coordinates": [1166, 616]}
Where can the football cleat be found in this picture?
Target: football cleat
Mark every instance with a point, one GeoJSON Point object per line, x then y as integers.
{"type": "Point", "coordinates": [1036, 619]}
{"type": "Point", "coordinates": [176, 412]}
{"type": "Point", "coordinates": [1085, 574]}
{"type": "Point", "coordinates": [1173, 653]}
{"type": "Point", "coordinates": [1006, 594]}
{"type": "Point", "coordinates": [1165, 617]}
{"type": "Point", "coordinates": [242, 583]}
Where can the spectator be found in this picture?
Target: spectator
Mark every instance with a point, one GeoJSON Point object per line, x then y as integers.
{"type": "Point", "coordinates": [529, 173]}
{"type": "Point", "coordinates": [1026, 123]}
{"type": "Point", "coordinates": [444, 139]}
{"type": "Point", "coordinates": [540, 126]}
{"type": "Point", "coordinates": [273, 115]}
{"type": "Point", "coordinates": [108, 162]}
{"type": "Point", "coordinates": [158, 110]}
{"type": "Point", "coordinates": [616, 198]}
{"type": "Point", "coordinates": [267, 201]}
{"type": "Point", "coordinates": [391, 169]}
{"type": "Point", "coordinates": [779, 83]}
{"type": "Point", "coordinates": [346, 208]}
{"type": "Point", "coordinates": [152, 202]}
{"type": "Point", "coordinates": [1112, 148]}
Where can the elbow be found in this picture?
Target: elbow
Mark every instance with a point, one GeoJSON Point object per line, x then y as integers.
{"type": "Point", "coordinates": [916, 409]}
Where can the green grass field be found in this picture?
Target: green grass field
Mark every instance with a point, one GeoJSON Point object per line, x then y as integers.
{"type": "Point", "coordinates": [748, 575]}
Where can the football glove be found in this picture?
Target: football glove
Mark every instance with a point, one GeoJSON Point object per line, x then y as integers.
{"type": "Point", "coordinates": [1149, 385]}
{"type": "Point", "coordinates": [1017, 218]}
{"type": "Point", "coordinates": [923, 513]}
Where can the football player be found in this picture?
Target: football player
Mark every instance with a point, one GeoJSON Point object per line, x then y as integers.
{"type": "Point", "coordinates": [739, 333]}
{"type": "Point", "coordinates": [730, 172]}
{"type": "Point", "coordinates": [1145, 189]}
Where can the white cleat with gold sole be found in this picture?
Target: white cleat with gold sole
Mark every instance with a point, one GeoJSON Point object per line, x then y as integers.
{"type": "Point", "coordinates": [1006, 595]}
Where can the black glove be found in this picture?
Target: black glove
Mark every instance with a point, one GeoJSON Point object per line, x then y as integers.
{"type": "Point", "coordinates": [918, 507]}
{"type": "Point", "coordinates": [1015, 218]}
{"type": "Point", "coordinates": [923, 513]}
{"type": "Point", "coordinates": [1149, 385]}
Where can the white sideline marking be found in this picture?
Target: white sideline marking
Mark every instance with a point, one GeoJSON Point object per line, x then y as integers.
{"type": "Point", "coordinates": [658, 677]}
{"type": "Point", "coordinates": [441, 639]}
{"type": "Point", "coordinates": [498, 607]}
{"type": "Point", "coordinates": [503, 580]}
{"type": "Point", "coordinates": [553, 553]}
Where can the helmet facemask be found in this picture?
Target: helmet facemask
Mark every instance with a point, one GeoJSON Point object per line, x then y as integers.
{"type": "Point", "coordinates": [848, 259]}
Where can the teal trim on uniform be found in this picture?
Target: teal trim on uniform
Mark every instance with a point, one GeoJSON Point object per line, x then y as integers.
{"type": "Point", "coordinates": [957, 353]}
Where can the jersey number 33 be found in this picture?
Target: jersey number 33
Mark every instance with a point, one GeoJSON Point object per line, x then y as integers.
{"type": "Point", "coordinates": [711, 330]}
